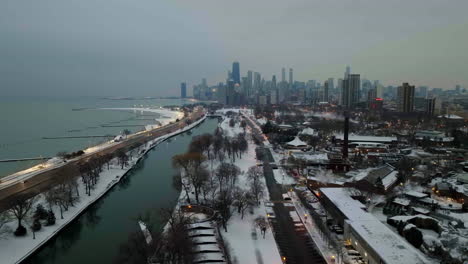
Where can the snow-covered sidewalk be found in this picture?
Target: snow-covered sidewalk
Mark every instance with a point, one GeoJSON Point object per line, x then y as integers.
{"type": "Point", "coordinates": [16, 249]}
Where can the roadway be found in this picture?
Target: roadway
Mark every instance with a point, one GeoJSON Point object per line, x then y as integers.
{"type": "Point", "coordinates": [41, 179]}
{"type": "Point", "coordinates": [295, 245]}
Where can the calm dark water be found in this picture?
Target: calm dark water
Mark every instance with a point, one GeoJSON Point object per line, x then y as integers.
{"type": "Point", "coordinates": [96, 235]}
{"type": "Point", "coordinates": [26, 120]}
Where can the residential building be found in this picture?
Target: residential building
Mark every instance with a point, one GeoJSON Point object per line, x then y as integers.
{"type": "Point", "coordinates": [405, 98]}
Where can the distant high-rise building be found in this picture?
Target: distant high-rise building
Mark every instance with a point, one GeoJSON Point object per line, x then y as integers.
{"type": "Point", "coordinates": [249, 84]}
{"type": "Point", "coordinates": [230, 92]}
{"type": "Point", "coordinates": [326, 88]}
{"type": "Point", "coordinates": [283, 74]}
{"type": "Point", "coordinates": [347, 72]}
{"type": "Point", "coordinates": [236, 72]}
{"type": "Point", "coordinates": [221, 92]}
{"type": "Point", "coordinates": [257, 82]}
{"type": "Point", "coordinates": [204, 83]}
{"type": "Point", "coordinates": [421, 91]}
{"type": "Point", "coordinates": [183, 90]}
{"type": "Point", "coordinates": [291, 80]}
{"type": "Point", "coordinates": [350, 90]}
{"type": "Point", "coordinates": [405, 98]}
{"type": "Point", "coordinates": [430, 106]}
{"type": "Point", "coordinates": [331, 85]}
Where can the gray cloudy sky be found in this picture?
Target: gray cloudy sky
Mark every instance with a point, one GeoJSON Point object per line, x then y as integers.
{"type": "Point", "coordinates": [147, 47]}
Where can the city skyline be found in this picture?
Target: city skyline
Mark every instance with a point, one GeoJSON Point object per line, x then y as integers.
{"type": "Point", "coordinates": [144, 49]}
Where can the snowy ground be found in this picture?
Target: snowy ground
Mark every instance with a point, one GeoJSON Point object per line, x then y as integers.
{"type": "Point", "coordinates": [245, 247]}
{"type": "Point", "coordinates": [166, 117]}
{"type": "Point", "coordinates": [15, 249]}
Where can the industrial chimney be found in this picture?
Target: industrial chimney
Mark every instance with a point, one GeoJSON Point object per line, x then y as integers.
{"type": "Point", "coordinates": [345, 136]}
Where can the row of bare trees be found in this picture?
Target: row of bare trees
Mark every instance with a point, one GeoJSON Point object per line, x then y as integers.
{"type": "Point", "coordinates": [218, 187]}
{"type": "Point", "coordinates": [64, 194]}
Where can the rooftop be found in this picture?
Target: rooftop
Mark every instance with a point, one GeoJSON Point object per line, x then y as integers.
{"type": "Point", "coordinates": [358, 138]}
{"type": "Point", "coordinates": [390, 247]}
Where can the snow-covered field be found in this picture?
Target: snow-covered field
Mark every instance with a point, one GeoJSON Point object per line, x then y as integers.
{"type": "Point", "coordinates": [15, 249]}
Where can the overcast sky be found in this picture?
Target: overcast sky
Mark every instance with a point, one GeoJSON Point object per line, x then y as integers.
{"type": "Point", "coordinates": [147, 47]}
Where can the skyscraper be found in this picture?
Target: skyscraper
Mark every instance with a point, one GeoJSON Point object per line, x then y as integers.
{"type": "Point", "coordinates": [405, 98]}
{"type": "Point", "coordinates": [283, 74]}
{"type": "Point", "coordinates": [350, 90]}
{"type": "Point", "coordinates": [331, 85]}
{"type": "Point", "coordinates": [249, 83]}
{"type": "Point", "coordinates": [236, 72]}
{"type": "Point", "coordinates": [347, 72]}
{"type": "Point", "coordinates": [430, 106]}
{"type": "Point", "coordinates": [257, 82]}
{"type": "Point", "coordinates": [230, 92]}
{"type": "Point", "coordinates": [183, 90]}
{"type": "Point", "coordinates": [326, 88]}
{"type": "Point", "coordinates": [291, 80]}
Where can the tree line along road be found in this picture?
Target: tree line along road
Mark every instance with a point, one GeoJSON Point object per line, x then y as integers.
{"type": "Point", "coordinates": [42, 181]}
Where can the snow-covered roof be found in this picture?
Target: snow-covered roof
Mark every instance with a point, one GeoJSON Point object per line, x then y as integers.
{"type": "Point", "coordinates": [352, 209]}
{"type": "Point", "coordinates": [416, 194]}
{"type": "Point", "coordinates": [358, 138]}
{"type": "Point", "coordinates": [312, 157]}
{"type": "Point", "coordinates": [402, 201]}
{"type": "Point", "coordinates": [450, 116]}
{"type": "Point", "coordinates": [390, 179]}
{"type": "Point", "coordinates": [390, 247]}
{"type": "Point", "coordinates": [285, 125]}
{"type": "Point", "coordinates": [462, 177]}
{"type": "Point", "coordinates": [308, 131]}
{"type": "Point", "coordinates": [296, 142]}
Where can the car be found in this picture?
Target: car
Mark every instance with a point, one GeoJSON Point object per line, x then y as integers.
{"type": "Point", "coordinates": [286, 197]}
{"type": "Point", "coordinates": [352, 252]}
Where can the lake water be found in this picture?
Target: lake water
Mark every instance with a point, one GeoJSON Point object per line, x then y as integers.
{"type": "Point", "coordinates": [95, 236]}
{"type": "Point", "coordinates": [26, 120]}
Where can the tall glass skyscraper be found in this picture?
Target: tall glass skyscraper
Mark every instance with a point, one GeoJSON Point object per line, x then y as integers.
{"type": "Point", "coordinates": [236, 72]}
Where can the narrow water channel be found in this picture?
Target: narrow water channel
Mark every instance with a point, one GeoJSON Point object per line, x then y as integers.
{"type": "Point", "coordinates": [95, 236]}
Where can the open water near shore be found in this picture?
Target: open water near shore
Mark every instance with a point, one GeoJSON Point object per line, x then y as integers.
{"type": "Point", "coordinates": [24, 121]}
{"type": "Point", "coordinates": [96, 235]}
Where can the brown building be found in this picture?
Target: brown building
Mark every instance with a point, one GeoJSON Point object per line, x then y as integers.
{"type": "Point", "coordinates": [405, 98]}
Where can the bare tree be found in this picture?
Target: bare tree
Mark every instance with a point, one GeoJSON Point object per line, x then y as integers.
{"type": "Point", "coordinates": [227, 175]}
{"type": "Point", "coordinates": [242, 200]}
{"type": "Point", "coordinates": [180, 183]}
{"type": "Point", "coordinates": [178, 245]}
{"type": "Point", "coordinates": [20, 209]}
{"type": "Point", "coordinates": [255, 174]}
{"type": "Point", "coordinates": [123, 158]}
{"type": "Point", "coordinates": [86, 177]}
{"type": "Point", "coordinates": [126, 132]}
{"type": "Point", "coordinates": [191, 163]}
{"type": "Point", "coordinates": [223, 206]}
{"type": "Point", "coordinates": [262, 224]}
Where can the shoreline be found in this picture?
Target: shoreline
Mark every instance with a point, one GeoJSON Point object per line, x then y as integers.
{"type": "Point", "coordinates": [108, 185]}
{"type": "Point", "coordinates": [165, 117]}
